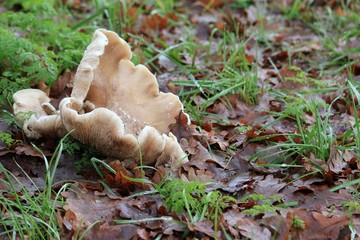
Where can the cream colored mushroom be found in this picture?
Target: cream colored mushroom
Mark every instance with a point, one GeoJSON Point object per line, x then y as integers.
{"type": "Point", "coordinates": [39, 118]}
{"type": "Point", "coordinates": [29, 101]}
{"type": "Point", "coordinates": [130, 116]}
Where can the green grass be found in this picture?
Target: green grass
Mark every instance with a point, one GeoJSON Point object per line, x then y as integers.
{"type": "Point", "coordinates": [180, 197]}
{"type": "Point", "coordinates": [212, 70]}
{"type": "Point", "coordinates": [312, 141]}
{"type": "Point", "coordinates": [336, 30]}
{"type": "Point", "coordinates": [317, 138]}
{"type": "Point", "coordinates": [294, 11]}
{"type": "Point", "coordinates": [25, 215]}
{"type": "Point", "coordinates": [235, 76]}
{"type": "Point", "coordinates": [354, 132]}
{"type": "Point", "coordinates": [333, 28]}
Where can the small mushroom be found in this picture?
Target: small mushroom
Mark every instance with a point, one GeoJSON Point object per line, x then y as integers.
{"type": "Point", "coordinates": [128, 117]}
{"type": "Point", "coordinates": [39, 118]}
{"type": "Point", "coordinates": [28, 102]}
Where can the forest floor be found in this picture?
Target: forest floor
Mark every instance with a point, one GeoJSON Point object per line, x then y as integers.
{"type": "Point", "coordinates": [271, 88]}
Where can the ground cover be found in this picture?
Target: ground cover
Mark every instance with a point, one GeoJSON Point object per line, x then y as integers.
{"type": "Point", "coordinates": [272, 90]}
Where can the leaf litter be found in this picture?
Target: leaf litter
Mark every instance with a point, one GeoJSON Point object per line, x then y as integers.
{"type": "Point", "coordinates": [220, 148]}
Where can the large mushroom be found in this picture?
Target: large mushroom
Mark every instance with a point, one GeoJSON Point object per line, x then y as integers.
{"type": "Point", "coordinates": [117, 108]}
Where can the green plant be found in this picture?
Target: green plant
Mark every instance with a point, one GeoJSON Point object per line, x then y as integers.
{"type": "Point", "coordinates": [299, 9]}
{"type": "Point", "coordinates": [336, 31]}
{"type": "Point", "coordinates": [64, 43]}
{"type": "Point", "coordinates": [294, 11]}
{"type": "Point", "coordinates": [8, 118]}
{"type": "Point", "coordinates": [44, 6]}
{"type": "Point", "coordinates": [337, 58]}
{"type": "Point", "coordinates": [298, 223]}
{"type": "Point", "coordinates": [40, 49]}
{"type": "Point", "coordinates": [191, 197]}
{"type": "Point", "coordinates": [23, 63]}
{"type": "Point", "coordinates": [303, 78]}
{"type": "Point", "coordinates": [116, 14]}
{"type": "Point", "coordinates": [355, 129]}
{"type": "Point", "coordinates": [7, 138]}
{"type": "Point", "coordinates": [355, 182]}
{"type": "Point", "coordinates": [351, 207]}
{"type": "Point", "coordinates": [242, 81]}
{"type": "Point", "coordinates": [317, 138]}
{"type": "Point", "coordinates": [181, 196]}
{"type": "Point", "coordinates": [263, 204]}
{"type": "Point", "coordinates": [24, 215]}
{"type": "Point", "coordinates": [242, 4]}
{"type": "Point", "coordinates": [72, 146]}
{"type": "Point", "coordinates": [234, 76]}
{"type": "Point", "coordinates": [166, 6]}
{"type": "Point", "coordinates": [320, 135]}
{"type": "Point", "coordinates": [238, 74]}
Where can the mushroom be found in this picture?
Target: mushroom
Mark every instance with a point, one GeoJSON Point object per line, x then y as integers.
{"type": "Point", "coordinates": [39, 118]}
{"type": "Point", "coordinates": [117, 108]}
{"type": "Point", "coordinates": [114, 106]}
{"type": "Point", "coordinates": [29, 101]}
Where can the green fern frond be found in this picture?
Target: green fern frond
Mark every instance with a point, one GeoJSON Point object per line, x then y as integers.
{"type": "Point", "coordinates": [181, 196]}
{"type": "Point", "coordinates": [23, 63]}
{"type": "Point", "coordinates": [34, 47]}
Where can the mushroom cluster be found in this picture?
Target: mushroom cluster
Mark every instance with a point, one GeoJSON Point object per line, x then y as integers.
{"type": "Point", "coordinates": [114, 106]}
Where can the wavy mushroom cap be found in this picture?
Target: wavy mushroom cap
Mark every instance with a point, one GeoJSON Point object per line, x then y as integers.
{"type": "Point", "coordinates": [113, 82]}
{"type": "Point", "coordinates": [115, 107]}
{"type": "Point", "coordinates": [129, 116]}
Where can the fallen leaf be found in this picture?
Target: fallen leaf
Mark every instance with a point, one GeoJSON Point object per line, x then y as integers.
{"type": "Point", "coordinates": [201, 157]}
{"type": "Point", "coordinates": [69, 220]}
{"type": "Point", "coordinates": [239, 182]}
{"type": "Point", "coordinates": [216, 137]}
{"type": "Point", "coordinates": [269, 185]}
{"type": "Point", "coordinates": [131, 212]}
{"type": "Point", "coordinates": [183, 130]}
{"type": "Point", "coordinates": [278, 224]}
{"type": "Point", "coordinates": [154, 22]}
{"type": "Point", "coordinates": [31, 185]}
{"type": "Point", "coordinates": [336, 161]}
{"type": "Point", "coordinates": [122, 179]}
{"type": "Point", "coordinates": [89, 207]}
{"type": "Point", "coordinates": [166, 63]}
{"type": "Point", "coordinates": [205, 227]}
{"type": "Point", "coordinates": [200, 175]}
{"type": "Point", "coordinates": [62, 86]}
{"type": "Point", "coordinates": [29, 150]}
{"type": "Point", "coordinates": [317, 226]}
{"type": "Point", "coordinates": [169, 227]}
{"type": "Point", "coordinates": [107, 231]}
{"type": "Point", "coordinates": [252, 230]}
